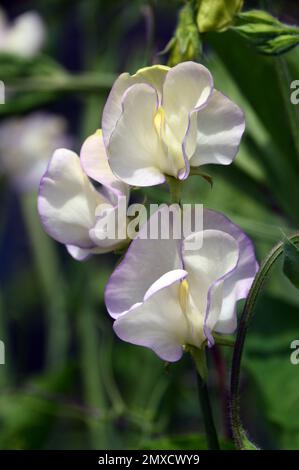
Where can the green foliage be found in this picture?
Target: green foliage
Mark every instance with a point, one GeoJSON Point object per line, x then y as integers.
{"type": "Point", "coordinates": [268, 34]}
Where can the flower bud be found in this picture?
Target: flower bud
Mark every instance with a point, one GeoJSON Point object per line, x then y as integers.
{"type": "Point", "coordinates": [216, 15]}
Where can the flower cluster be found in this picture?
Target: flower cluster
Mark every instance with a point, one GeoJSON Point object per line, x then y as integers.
{"type": "Point", "coordinates": [156, 124]}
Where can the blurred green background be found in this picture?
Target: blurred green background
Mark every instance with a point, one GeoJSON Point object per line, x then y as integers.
{"type": "Point", "coordinates": [68, 382]}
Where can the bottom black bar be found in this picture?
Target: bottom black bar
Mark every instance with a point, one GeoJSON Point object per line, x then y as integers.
{"type": "Point", "coordinates": [132, 459]}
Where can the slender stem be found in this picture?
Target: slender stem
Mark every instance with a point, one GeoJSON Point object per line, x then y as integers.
{"type": "Point", "coordinates": [90, 361]}
{"type": "Point", "coordinates": [175, 189]}
{"type": "Point", "coordinates": [91, 82]}
{"type": "Point", "coordinates": [203, 395]}
{"type": "Point", "coordinates": [239, 434]}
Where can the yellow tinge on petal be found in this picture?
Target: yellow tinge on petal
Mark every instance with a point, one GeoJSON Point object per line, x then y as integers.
{"type": "Point", "coordinates": [184, 294]}
{"type": "Point", "coordinates": [194, 318]}
{"type": "Point", "coordinates": [159, 121]}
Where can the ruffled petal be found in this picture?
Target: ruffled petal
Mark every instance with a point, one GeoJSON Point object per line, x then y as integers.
{"type": "Point", "coordinates": [237, 284]}
{"type": "Point", "coordinates": [220, 126]}
{"type": "Point", "coordinates": [153, 76]}
{"type": "Point", "coordinates": [187, 86]}
{"type": "Point", "coordinates": [208, 268]}
{"type": "Point", "coordinates": [145, 261]}
{"type": "Point", "coordinates": [158, 323]}
{"type": "Point", "coordinates": [135, 152]}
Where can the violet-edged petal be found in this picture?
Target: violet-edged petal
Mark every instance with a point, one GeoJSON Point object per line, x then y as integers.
{"type": "Point", "coordinates": [158, 323]}
{"type": "Point", "coordinates": [145, 261]}
{"type": "Point", "coordinates": [135, 152]}
{"type": "Point", "coordinates": [94, 161]}
{"type": "Point", "coordinates": [67, 200]}
{"type": "Point", "coordinates": [207, 270]}
{"type": "Point", "coordinates": [220, 126]}
{"type": "Point", "coordinates": [187, 86]}
{"type": "Point", "coordinates": [239, 281]}
{"type": "Point", "coordinates": [153, 76]}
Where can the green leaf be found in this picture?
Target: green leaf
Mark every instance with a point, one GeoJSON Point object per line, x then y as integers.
{"type": "Point", "coordinates": [216, 15]}
{"type": "Point", "coordinates": [267, 33]}
{"type": "Point", "coordinates": [291, 262]}
{"type": "Point", "coordinates": [274, 376]}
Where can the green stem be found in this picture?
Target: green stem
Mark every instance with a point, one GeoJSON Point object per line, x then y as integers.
{"type": "Point", "coordinates": [175, 189]}
{"type": "Point", "coordinates": [90, 369]}
{"type": "Point", "coordinates": [52, 284]}
{"type": "Point", "coordinates": [239, 434]}
{"type": "Point", "coordinates": [199, 358]}
{"type": "Point", "coordinates": [204, 400]}
{"type": "Point", "coordinates": [92, 82]}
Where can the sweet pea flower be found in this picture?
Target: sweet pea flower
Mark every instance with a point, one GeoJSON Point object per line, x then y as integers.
{"type": "Point", "coordinates": [70, 206]}
{"type": "Point", "coordinates": [162, 121]}
{"type": "Point", "coordinates": [165, 297]}
{"type": "Point", "coordinates": [26, 145]}
{"type": "Point", "coordinates": [24, 36]}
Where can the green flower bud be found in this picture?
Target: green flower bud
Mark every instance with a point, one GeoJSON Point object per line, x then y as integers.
{"type": "Point", "coordinates": [267, 33]}
{"type": "Point", "coordinates": [186, 44]}
{"type": "Point", "coordinates": [217, 15]}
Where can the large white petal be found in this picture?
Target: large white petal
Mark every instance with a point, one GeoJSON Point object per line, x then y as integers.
{"type": "Point", "coordinates": [187, 86]}
{"type": "Point", "coordinates": [237, 284]}
{"type": "Point", "coordinates": [67, 200]}
{"type": "Point", "coordinates": [134, 151]}
{"type": "Point", "coordinates": [207, 269]}
{"type": "Point", "coordinates": [158, 323]}
{"type": "Point", "coordinates": [154, 76]}
{"type": "Point", "coordinates": [220, 126]}
{"type": "Point", "coordinates": [144, 263]}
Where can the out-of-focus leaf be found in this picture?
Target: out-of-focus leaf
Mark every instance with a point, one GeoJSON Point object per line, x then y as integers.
{"type": "Point", "coordinates": [268, 34]}
{"type": "Point", "coordinates": [291, 262]}
{"type": "Point", "coordinates": [216, 15]}
{"type": "Point", "coordinates": [185, 442]}
{"type": "Point", "coordinates": [268, 138]}
{"type": "Point", "coordinates": [277, 381]}
{"type": "Point", "coordinates": [26, 415]}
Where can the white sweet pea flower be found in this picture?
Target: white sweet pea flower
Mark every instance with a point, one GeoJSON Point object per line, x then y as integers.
{"type": "Point", "coordinates": [24, 36]}
{"type": "Point", "coordinates": [165, 296]}
{"type": "Point", "coordinates": [69, 205]}
{"type": "Point", "coordinates": [162, 121]}
{"type": "Point", "coordinates": [26, 145]}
